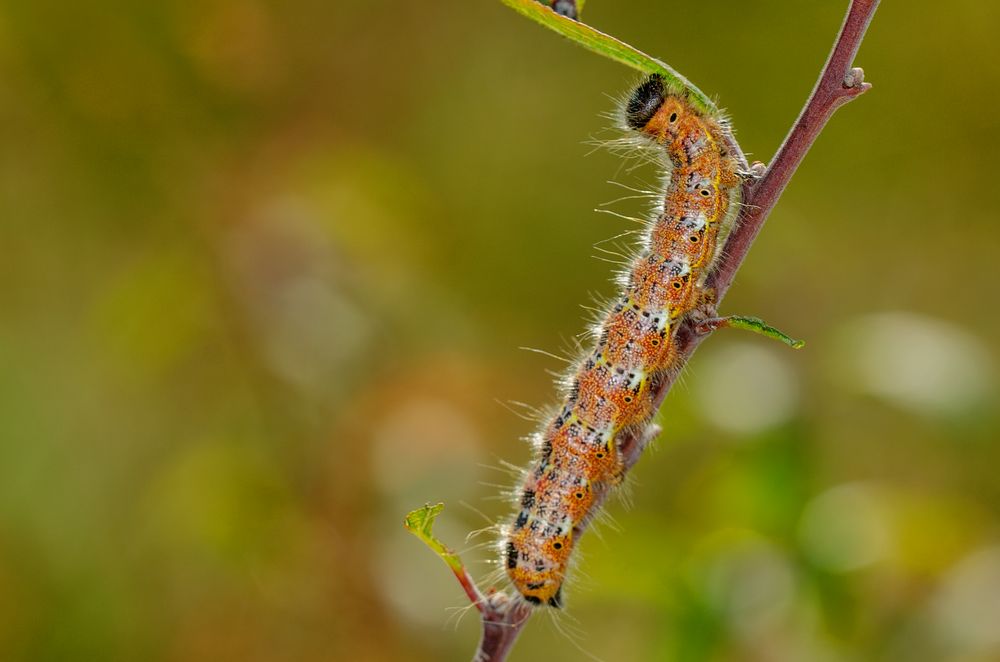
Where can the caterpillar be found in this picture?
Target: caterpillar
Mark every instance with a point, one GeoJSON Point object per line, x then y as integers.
{"type": "Point", "coordinates": [612, 389]}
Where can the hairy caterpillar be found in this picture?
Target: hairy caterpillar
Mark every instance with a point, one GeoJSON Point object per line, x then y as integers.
{"type": "Point", "coordinates": [611, 390]}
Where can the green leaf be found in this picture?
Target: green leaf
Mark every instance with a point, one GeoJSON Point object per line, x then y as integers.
{"type": "Point", "coordinates": [420, 523]}
{"type": "Point", "coordinates": [612, 48]}
{"type": "Point", "coordinates": [758, 325]}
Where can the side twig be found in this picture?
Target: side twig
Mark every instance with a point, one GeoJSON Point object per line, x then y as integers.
{"type": "Point", "coordinates": [503, 618]}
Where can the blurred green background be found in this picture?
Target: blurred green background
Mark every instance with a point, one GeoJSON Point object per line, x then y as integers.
{"type": "Point", "coordinates": [267, 266]}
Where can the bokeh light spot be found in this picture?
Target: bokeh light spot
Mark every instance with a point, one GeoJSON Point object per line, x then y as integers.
{"type": "Point", "coordinates": [745, 388]}
{"type": "Point", "coordinates": [920, 363]}
{"type": "Point", "coordinates": [846, 528]}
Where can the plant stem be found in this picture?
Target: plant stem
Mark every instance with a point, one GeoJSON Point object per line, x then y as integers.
{"type": "Point", "coordinates": [503, 618]}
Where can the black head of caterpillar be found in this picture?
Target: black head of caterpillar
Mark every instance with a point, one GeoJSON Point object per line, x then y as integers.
{"type": "Point", "coordinates": [644, 102]}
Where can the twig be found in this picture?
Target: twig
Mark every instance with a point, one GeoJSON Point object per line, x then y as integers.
{"type": "Point", "coordinates": [503, 617]}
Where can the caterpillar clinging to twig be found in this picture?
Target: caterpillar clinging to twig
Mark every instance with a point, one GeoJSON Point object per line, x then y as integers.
{"type": "Point", "coordinates": [612, 389]}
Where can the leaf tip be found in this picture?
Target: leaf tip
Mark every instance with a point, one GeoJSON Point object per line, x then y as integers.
{"type": "Point", "coordinates": [420, 522]}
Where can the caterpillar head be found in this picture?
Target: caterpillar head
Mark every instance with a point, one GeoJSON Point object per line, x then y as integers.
{"type": "Point", "coordinates": [657, 114]}
{"type": "Point", "coordinates": [644, 102]}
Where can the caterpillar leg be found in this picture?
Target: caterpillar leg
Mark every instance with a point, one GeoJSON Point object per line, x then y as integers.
{"type": "Point", "coordinates": [651, 432]}
{"type": "Point", "coordinates": [756, 171]}
{"type": "Point", "coordinates": [755, 324]}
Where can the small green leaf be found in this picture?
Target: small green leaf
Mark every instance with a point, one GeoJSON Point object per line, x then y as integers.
{"type": "Point", "coordinates": [611, 48]}
{"type": "Point", "coordinates": [420, 523]}
{"type": "Point", "coordinates": [758, 325]}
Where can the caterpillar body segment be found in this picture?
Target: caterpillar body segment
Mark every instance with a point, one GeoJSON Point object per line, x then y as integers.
{"type": "Point", "coordinates": [613, 387]}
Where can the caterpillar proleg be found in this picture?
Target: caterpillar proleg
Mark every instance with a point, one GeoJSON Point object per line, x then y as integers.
{"type": "Point", "coordinates": [611, 389]}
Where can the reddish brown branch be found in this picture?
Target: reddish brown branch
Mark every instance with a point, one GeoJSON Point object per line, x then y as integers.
{"type": "Point", "coordinates": [476, 597]}
{"type": "Point", "coordinates": [503, 618]}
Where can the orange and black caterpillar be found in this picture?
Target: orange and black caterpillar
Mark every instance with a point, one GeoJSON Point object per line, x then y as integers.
{"type": "Point", "coordinates": [612, 388]}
